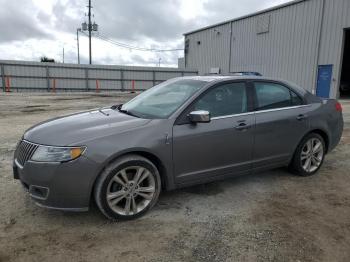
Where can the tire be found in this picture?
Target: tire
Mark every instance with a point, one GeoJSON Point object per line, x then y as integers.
{"type": "Point", "coordinates": [127, 198]}
{"type": "Point", "coordinates": [299, 164]}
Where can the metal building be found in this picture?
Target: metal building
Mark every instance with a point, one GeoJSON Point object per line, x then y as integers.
{"type": "Point", "coordinates": [304, 41]}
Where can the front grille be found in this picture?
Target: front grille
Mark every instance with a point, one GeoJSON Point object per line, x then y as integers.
{"type": "Point", "coordinates": [25, 151]}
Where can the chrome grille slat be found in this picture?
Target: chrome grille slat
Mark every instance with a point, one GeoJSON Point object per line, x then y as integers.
{"type": "Point", "coordinates": [25, 151]}
{"type": "Point", "coordinates": [25, 148]}
{"type": "Point", "coordinates": [31, 152]}
{"type": "Point", "coordinates": [20, 153]}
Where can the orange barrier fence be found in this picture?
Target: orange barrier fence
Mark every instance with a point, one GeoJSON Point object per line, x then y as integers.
{"type": "Point", "coordinates": [7, 83]}
{"type": "Point", "coordinates": [97, 86]}
{"type": "Point", "coordinates": [54, 85]}
{"type": "Point", "coordinates": [133, 86]}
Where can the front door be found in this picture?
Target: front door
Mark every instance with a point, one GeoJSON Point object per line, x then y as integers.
{"type": "Point", "coordinates": [223, 146]}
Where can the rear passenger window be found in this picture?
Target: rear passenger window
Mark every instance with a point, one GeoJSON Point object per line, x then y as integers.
{"type": "Point", "coordinates": [271, 95]}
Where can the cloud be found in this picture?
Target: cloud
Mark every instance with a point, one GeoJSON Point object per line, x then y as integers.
{"type": "Point", "coordinates": [40, 27]}
{"type": "Point", "coordinates": [133, 19]}
{"type": "Point", "coordinates": [18, 22]}
{"type": "Point", "coordinates": [67, 15]}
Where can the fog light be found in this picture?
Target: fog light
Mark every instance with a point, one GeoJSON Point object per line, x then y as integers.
{"type": "Point", "coordinates": [39, 192]}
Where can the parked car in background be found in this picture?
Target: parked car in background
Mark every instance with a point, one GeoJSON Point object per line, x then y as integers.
{"type": "Point", "coordinates": [183, 132]}
{"type": "Point", "coordinates": [345, 87]}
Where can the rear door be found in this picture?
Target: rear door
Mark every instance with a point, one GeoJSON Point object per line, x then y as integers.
{"type": "Point", "coordinates": [281, 122]}
{"type": "Point", "coordinates": [222, 147]}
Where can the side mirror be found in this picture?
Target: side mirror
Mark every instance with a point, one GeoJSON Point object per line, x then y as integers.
{"type": "Point", "coordinates": [199, 116]}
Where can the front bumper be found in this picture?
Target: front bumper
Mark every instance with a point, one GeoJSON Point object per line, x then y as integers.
{"type": "Point", "coordinates": [62, 186]}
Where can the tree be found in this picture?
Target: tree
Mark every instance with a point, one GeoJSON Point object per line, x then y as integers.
{"type": "Point", "coordinates": [45, 59]}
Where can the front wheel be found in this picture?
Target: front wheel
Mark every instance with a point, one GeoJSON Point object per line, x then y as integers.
{"type": "Point", "coordinates": [127, 188]}
{"type": "Point", "coordinates": [309, 155]}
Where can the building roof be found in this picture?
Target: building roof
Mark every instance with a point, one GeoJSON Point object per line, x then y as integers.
{"type": "Point", "coordinates": [247, 16]}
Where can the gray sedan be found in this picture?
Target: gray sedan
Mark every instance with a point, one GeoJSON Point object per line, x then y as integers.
{"type": "Point", "coordinates": [183, 132]}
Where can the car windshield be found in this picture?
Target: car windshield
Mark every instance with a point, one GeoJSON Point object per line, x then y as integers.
{"type": "Point", "coordinates": [162, 100]}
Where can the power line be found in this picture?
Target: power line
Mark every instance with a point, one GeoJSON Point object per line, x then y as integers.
{"type": "Point", "coordinates": [127, 46]}
{"type": "Point", "coordinates": [136, 47]}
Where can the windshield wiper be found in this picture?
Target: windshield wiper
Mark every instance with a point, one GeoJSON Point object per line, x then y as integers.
{"type": "Point", "coordinates": [114, 107]}
{"type": "Point", "coordinates": [119, 108]}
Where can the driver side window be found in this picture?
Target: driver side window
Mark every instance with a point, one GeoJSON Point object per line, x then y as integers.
{"type": "Point", "coordinates": [224, 100]}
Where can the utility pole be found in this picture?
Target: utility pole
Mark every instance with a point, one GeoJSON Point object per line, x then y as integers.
{"type": "Point", "coordinates": [78, 30]}
{"type": "Point", "coordinates": [91, 27]}
{"type": "Point", "coordinates": [90, 30]}
{"type": "Point", "coordinates": [63, 54]}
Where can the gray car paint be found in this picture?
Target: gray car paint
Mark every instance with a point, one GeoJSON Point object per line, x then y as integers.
{"type": "Point", "coordinates": [232, 148]}
{"type": "Point", "coordinates": [184, 153]}
{"type": "Point", "coordinates": [277, 132]}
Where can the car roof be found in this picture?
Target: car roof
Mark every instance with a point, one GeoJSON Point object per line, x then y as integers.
{"type": "Point", "coordinates": [212, 78]}
{"type": "Point", "coordinates": [219, 78]}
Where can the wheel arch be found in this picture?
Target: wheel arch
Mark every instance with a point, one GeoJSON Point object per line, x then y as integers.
{"type": "Point", "coordinates": [156, 161]}
{"type": "Point", "coordinates": [323, 134]}
{"type": "Point", "coordinates": [318, 131]}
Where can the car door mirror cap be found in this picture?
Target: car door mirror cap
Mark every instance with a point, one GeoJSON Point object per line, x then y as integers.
{"type": "Point", "coordinates": [200, 116]}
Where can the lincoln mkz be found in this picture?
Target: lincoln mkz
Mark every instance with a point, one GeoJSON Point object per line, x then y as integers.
{"type": "Point", "coordinates": [182, 132]}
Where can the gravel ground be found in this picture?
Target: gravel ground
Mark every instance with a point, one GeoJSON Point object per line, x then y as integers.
{"type": "Point", "coordinates": [272, 216]}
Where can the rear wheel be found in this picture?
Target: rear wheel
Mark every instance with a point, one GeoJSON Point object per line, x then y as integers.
{"type": "Point", "coordinates": [309, 155]}
{"type": "Point", "coordinates": [128, 188]}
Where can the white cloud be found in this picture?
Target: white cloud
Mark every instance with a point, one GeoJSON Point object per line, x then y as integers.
{"type": "Point", "coordinates": [192, 9]}
{"type": "Point", "coordinates": [42, 27]}
{"type": "Point", "coordinates": [44, 5]}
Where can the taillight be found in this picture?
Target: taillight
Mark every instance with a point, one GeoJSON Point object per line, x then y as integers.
{"type": "Point", "coordinates": [338, 107]}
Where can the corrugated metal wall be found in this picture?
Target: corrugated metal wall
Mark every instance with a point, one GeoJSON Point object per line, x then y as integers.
{"type": "Point", "coordinates": [47, 76]}
{"type": "Point", "coordinates": [209, 49]}
{"type": "Point", "coordinates": [336, 19]}
{"type": "Point", "coordinates": [287, 50]}
{"type": "Point", "coordinates": [300, 37]}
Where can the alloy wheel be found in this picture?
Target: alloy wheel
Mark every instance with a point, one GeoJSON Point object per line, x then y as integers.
{"type": "Point", "coordinates": [131, 190]}
{"type": "Point", "coordinates": [312, 155]}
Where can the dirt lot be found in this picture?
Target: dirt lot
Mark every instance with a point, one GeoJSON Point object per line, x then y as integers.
{"type": "Point", "coordinates": [272, 216]}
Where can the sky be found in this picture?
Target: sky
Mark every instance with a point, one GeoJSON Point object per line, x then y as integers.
{"type": "Point", "coordinates": [31, 29]}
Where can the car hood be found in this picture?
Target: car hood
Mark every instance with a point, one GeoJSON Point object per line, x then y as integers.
{"type": "Point", "coordinates": [76, 128]}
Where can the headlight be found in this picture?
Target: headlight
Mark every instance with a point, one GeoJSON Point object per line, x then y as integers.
{"type": "Point", "coordinates": [57, 154]}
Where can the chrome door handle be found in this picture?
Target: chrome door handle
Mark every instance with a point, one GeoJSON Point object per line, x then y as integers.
{"type": "Point", "coordinates": [301, 117]}
{"type": "Point", "coordinates": [242, 126]}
